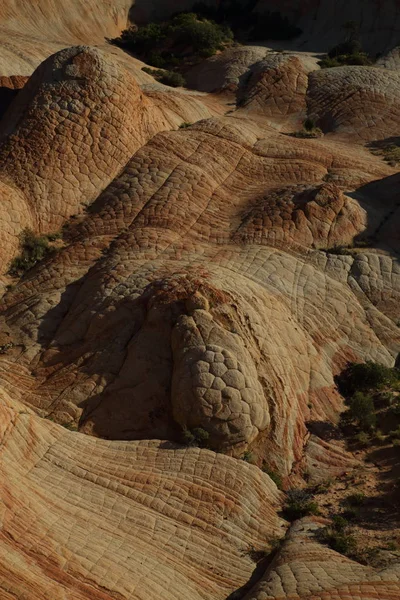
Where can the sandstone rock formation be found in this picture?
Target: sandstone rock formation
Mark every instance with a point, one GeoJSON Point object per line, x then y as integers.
{"type": "Point", "coordinates": [164, 521]}
{"type": "Point", "coordinates": [321, 572]}
{"type": "Point", "coordinates": [212, 277]}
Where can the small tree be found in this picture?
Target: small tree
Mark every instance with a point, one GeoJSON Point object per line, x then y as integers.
{"type": "Point", "coordinates": [362, 411]}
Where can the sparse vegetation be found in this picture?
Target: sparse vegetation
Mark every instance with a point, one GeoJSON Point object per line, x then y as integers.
{"type": "Point", "coordinates": [299, 504]}
{"type": "Point", "coordinates": [248, 456]}
{"type": "Point", "coordinates": [366, 377]}
{"type": "Point", "coordinates": [34, 248]}
{"type": "Point", "coordinates": [388, 149]}
{"type": "Point", "coordinates": [195, 437]}
{"type": "Point", "coordinates": [276, 478]}
{"type": "Point", "coordinates": [171, 78]}
{"type": "Point", "coordinates": [309, 131]}
{"type": "Point", "coordinates": [362, 411]}
{"type": "Point", "coordinates": [356, 499]}
{"type": "Point", "coordinates": [70, 426]}
{"type": "Point", "coordinates": [171, 44]}
{"type": "Point", "coordinates": [184, 125]}
{"type": "Point", "coordinates": [339, 537]}
{"type": "Point", "coordinates": [371, 393]}
{"type": "Point", "coordinates": [348, 52]}
{"type": "Point", "coordinates": [4, 348]}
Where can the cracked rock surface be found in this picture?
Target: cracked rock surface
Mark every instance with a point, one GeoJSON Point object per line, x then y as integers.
{"type": "Point", "coordinates": [211, 279]}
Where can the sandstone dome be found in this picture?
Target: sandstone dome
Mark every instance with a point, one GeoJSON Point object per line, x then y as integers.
{"type": "Point", "coordinates": [208, 268]}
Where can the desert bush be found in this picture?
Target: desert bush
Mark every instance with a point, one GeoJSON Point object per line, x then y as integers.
{"type": "Point", "coordinates": [323, 487]}
{"type": "Point", "coordinates": [166, 44]}
{"type": "Point", "coordinates": [368, 376]}
{"type": "Point", "coordinates": [34, 248]}
{"type": "Point", "coordinates": [276, 478]}
{"type": "Point", "coordinates": [299, 504]}
{"type": "Point", "coordinates": [202, 35]}
{"type": "Point", "coordinates": [305, 134]}
{"type": "Point", "coordinates": [340, 541]}
{"type": "Point", "coordinates": [360, 59]}
{"type": "Point", "coordinates": [195, 437]}
{"type": "Point", "coordinates": [362, 438]}
{"type": "Point", "coordinates": [352, 46]}
{"type": "Point", "coordinates": [338, 536]}
{"type": "Point", "coordinates": [142, 39]}
{"type": "Point", "coordinates": [156, 60]}
{"type": "Point", "coordinates": [171, 78]}
{"type": "Point", "coordinates": [355, 499]}
{"type": "Point", "coordinates": [184, 125]}
{"type": "Point", "coordinates": [340, 523]}
{"type": "Point", "coordinates": [248, 457]}
{"type": "Point", "coordinates": [392, 154]}
{"type": "Point", "coordinates": [362, 411]}
{"type": "Point", "coordinates": [348, 52]}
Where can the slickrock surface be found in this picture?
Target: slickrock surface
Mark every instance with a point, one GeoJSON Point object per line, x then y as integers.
{"type": "Point", "coordinates": [193, 294]}
{"type": "Point", "coordinates": [216, 276]}
{"type": "Point", "coordinates": [69, 132]}
{"type": "Point", "coordinates": [356, 101]}
{"type": "Point", "coordinates": [165, 522]}
{"type": "Point", "coordinates": [305, 570]}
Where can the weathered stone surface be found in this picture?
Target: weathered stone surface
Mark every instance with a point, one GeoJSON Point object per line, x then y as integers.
{"type": "Point", "coordinates": [89, 519]}
{"type": "Point", "coordinates": [216, 276]}
{"type": "Point", "coordinates": [305, 570]}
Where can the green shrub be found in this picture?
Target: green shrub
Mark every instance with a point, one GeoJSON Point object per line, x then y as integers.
{"type": "Point", "coordinates": [70, 426]}
{"type": "Point", "coordinates": [201, 436]}
{"type": "Point", "coordinates": [202, 35]}
{"type": "Point", "coordinates": [299, 504]}
{"type": "Point", "coordinates": [380, 437]}
{"type": "Point", "coordinates": [362, 438]}
{"type": "Point", "coordinates": [184, 125]}
{"type": "Point", "coordinates": [356, 499]}
{"type": "Point", "coordinates": [339, 523]}
{"type": "Point", "coordinates": [156, 60]}
{"type": "Point", "coordinates": [172, 79]}
{"type": "Point", "coordinates": [195, 437]}
{"type": "Point", "coordinates": [142, 39]}
{"type": "Point", "coordinates": [362, 411]}
{"type": "Point", "coordinates": [338, 537]}
{"type": "Point", "coordinates": [276, 478]}
{"type": "Point", "coordinates": [351, 513]}
{"type": "Point", "coordinates": [391, 154]}
{"type": "Point", "coordinates": [248, 456]}
{"type": "Point", "coordinates": [168, 43]}
{"type": "Point", "coordinates": [34, 248]}
{"type": "Point", "coordinates": [348, 52]}
{"type": "Point", "coordinates": [369, 376]}
{"type": "Point", "coordinates": [352, 46]}
{"type": "Point", "coordinates": [341, 542]}
{"type": "Point", "coordinates": [360, 59]}
{"type": "Point", "coordinates": [302, 133]}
